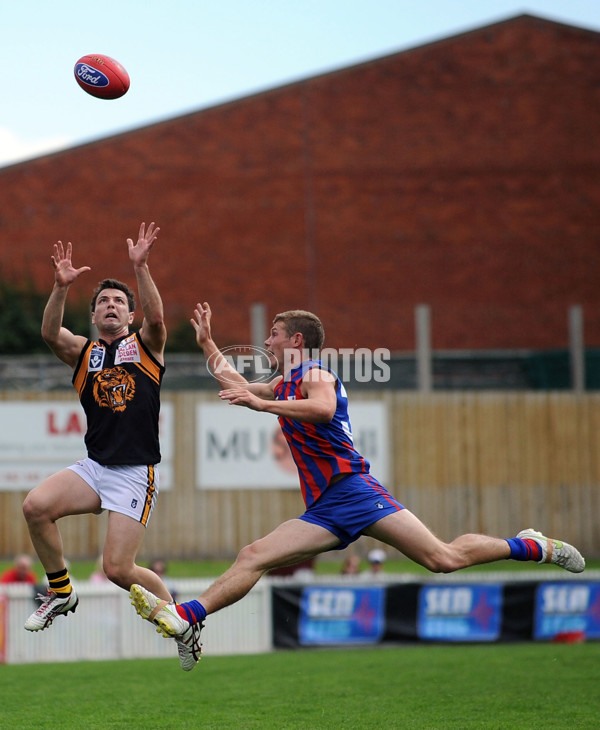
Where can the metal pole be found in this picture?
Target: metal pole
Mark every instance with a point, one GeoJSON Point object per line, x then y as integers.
{"type": "Point", "coordinates": [258, 324]}
{"type": "Point", "coordinates": [576, 348]}
{"type": "Point", "coordinates": [423, 333]}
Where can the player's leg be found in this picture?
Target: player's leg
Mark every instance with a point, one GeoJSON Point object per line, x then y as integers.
{"type": "Point", "coordinates": [404, 531]}
{"type": "Point", "coordinates": [62, 494]}
{"type": "Point", "coordinates": [290, 542]}
{"type": "Point", "coordinates": [124, 537]}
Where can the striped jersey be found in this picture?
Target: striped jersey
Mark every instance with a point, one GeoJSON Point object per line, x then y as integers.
{"type": "Point", "coordinates": [119, 389]}
{"type": "Point", "coordinates": [320, 450]}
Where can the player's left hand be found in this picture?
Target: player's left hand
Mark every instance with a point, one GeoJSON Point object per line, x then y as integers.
{"type": "Point", "coordinates": [139, 252]}
{"type": "Point", "coordinates": [242, 397]}
{"type": "Point", "coordinates": [201, 323]}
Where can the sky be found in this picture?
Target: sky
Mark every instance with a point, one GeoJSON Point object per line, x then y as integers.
{"type": "Point", "coordinates": [187, 55]}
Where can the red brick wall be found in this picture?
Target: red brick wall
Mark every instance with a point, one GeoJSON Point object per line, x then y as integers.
{"type": "Point", "coordinates": [463, 174]}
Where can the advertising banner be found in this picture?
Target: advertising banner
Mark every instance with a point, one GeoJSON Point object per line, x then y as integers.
{"type": "Point", "coordinates": [567, 608]}
{"type": "Point", "coordinates": [310, 614]}
{"type": "Point", "coordinates": [237, 448]}
{"type": "Point", "coordinates": [41, 438]}
{"type": "Point", "coordinates": [340, 615]}
{"type": "Point", "coordinates": [460, 612]}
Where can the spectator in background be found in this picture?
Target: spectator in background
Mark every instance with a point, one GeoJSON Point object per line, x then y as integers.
{"type": "Point", "coordinates": [21, 572]}
{"type": "Point", "coordinates": [159, 566]}
{"type": "Point", "coordinates": [351, 565]}
{"type": "Point", "coordinates": [99, 576]}
{"type": "Point", "coordinates": [376, 560]}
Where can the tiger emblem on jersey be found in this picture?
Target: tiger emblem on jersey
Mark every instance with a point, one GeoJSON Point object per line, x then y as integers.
{"type": "Point", "coordinates": [113, 388]}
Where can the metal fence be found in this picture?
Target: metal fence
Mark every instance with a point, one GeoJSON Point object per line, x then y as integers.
{"type": "Point", "coordinates": [450, 370]}
{"type": "Point", "coordinates": [106, 626]}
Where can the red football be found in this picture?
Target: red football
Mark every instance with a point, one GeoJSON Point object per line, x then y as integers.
{"type": "Point", "coordinates": [101, 76]}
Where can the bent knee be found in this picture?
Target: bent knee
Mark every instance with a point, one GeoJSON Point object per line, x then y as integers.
{"type": "Point", "coordinates": [118, 575]}
{"type": "Point", "coordinates": [442, 561]}
{"type": "Point", "coordinates": [33, 508]}
{"type": "Point", "coordinates": [249, 554]}
{"type": "Point", "coordinates": [253, 557]}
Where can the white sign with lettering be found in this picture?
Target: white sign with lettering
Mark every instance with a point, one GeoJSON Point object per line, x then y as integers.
{"type": "Point", "coordinates": [237, 448]}
{"type": "Point", "coordinates": [41, 438]}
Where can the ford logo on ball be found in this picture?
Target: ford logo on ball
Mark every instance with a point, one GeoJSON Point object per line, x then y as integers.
{"type": "Point", "coordinates": [90, 75]}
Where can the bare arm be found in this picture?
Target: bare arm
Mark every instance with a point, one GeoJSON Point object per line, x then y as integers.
{"type": "Point", "coordinates": [63, 343]}
{"type": "Point", "coordinates": [317, 406]}
{"type": "Point", "coordinates": [153, 331]}
{"type": "Point", "coordinates": [226, 375]}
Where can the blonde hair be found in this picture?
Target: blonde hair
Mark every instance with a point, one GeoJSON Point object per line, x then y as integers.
{"type": "Point", "coordinates": [307, 323]}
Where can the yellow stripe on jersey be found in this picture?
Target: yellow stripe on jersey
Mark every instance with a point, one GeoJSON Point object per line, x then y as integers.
{"type": "Point", "coordinates": [81, 374]}
{"type": "Point", "coordinates": [150, 489]}
{"type": "Point", "coordinates": [148, 364]}
{"type": "Point", "coordinates": [150, 368]}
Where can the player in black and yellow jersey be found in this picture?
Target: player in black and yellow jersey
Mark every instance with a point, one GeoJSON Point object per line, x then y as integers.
{"type": "Point", "coordinates": [118, 379]}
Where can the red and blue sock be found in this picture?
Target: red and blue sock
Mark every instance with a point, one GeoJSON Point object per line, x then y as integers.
{"type": "Point", "coordinates": [192, 611]}
{"type": "Point", "coordinates": [524, 549]}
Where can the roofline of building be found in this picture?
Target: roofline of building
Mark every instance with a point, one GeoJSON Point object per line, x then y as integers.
{"type": "Point", "coordinates": [299, 82]}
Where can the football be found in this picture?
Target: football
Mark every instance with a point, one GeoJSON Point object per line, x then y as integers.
{"type": "Point", "coordinates": [101, 76]}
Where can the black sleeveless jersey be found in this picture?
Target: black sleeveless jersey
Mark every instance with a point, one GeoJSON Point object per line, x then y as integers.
{"type": "Point", "coordinates": [119, 389]}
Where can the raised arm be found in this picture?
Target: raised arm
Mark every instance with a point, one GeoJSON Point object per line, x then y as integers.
{"type": "Point", "coordinates": [226, 375]}
{"type": "Point", "coordinates": [63, 343]}
{"type": "Point", "coordinates": [153, 331]}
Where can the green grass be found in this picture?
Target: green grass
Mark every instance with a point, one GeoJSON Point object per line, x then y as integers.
{"type": "Point", "coordinates": [424, 687]}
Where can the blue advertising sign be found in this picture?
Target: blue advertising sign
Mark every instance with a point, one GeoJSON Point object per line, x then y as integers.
{"type": "Point", "coordinates": [562, 608]}
{"type": "Point", "coordinates": [460, 612]}
{"type": "Point", "coordinates": [341, 615]}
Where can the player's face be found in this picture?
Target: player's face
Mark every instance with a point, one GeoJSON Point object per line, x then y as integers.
{"type": "Point", "coordinates": [281, 348]}
{"type": "Point", "coordinates": [112, 313]}
{"type": "Point", "coordinates": [276, 342]}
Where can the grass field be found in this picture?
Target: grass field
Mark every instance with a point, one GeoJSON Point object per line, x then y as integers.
{"type": "Point", "coordinates": [505, 687]}
{"type": "Point", "coordinates": [445, 687]}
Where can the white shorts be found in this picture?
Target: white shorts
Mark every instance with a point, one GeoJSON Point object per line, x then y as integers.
{"type": "Point", "coordinates": [130, 490]}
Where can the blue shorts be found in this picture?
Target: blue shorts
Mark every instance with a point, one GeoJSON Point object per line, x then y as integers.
{"type": "Point", "coordinates": [350, 505]}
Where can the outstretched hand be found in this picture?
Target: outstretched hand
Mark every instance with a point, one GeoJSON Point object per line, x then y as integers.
{"type": "Point", "coordinates": [201, 323]}
{"type": "Point", "coordinates": [242, 397]}
{"type": "Point", "coordinates": [64, 271]}
{"type": "Point", "coordinates": [139, 252]}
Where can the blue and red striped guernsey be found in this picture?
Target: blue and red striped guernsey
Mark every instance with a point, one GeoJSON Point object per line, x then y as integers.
{"type": "Point", "coordinates": [320, 450]}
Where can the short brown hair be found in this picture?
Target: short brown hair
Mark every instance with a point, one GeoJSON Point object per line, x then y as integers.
{"type": "Point", "coordinates": [114, 284]}
{"type": "Point", "coordinates": [307, 323]}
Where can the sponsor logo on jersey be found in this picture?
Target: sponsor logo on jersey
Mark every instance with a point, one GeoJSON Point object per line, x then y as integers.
{"type": "Point", "coordinates": [96, 359]}
{"type": "Point", "coordinates": [128, 351]}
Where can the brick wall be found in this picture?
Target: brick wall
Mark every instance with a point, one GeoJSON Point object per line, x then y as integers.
{"type": "Point", "coordinates": [463, 174]}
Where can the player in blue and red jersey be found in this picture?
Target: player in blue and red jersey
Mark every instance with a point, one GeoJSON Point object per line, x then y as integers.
{"type": "Point", "coordinates": [343, 500]}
